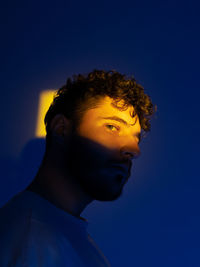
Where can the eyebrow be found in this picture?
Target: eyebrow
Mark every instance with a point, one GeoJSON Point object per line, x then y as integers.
{"type": "Point", "coordinates": [116, 118]}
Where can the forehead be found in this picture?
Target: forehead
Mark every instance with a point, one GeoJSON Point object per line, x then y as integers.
{"type": "Point", "coordinates": [107, 107]}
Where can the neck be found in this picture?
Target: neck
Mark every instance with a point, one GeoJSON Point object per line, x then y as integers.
{"type": "Point", "coordinates": [59, 189]}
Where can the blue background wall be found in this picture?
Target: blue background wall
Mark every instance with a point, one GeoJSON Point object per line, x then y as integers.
{"type": "Point", "coordinates": [156, 221]}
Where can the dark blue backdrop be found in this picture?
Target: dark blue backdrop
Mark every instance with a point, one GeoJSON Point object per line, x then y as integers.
{"type": "Point", "coordinates": [156, 221]}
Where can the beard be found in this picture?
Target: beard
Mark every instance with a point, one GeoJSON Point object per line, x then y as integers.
{"type": "Point", "coordinates": [88, 164]}
{"type": "Point", "coordinates": [99, 188]}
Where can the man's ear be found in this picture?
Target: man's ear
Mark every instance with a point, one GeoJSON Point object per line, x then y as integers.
{"type": "Point", "coordinates": [60, 125]}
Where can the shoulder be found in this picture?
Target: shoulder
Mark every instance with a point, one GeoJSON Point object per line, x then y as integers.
{"type": "Point", "coordinates": [26, 241]}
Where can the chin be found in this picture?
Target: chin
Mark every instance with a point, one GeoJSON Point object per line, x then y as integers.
{"type": "Point", "coordinates": [105, 195]}
{"type": "Point", "coordinates": [100, 189]}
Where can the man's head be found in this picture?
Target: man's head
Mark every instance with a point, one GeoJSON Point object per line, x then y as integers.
{"type": "Point", "coordinates": [99, 117]}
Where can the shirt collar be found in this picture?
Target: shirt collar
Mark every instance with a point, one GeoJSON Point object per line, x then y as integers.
{"type": "Point", "coordinates": [45, 210]}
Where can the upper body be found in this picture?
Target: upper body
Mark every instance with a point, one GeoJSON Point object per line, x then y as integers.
{"type": "Point", "coordinates": [93, 132]}
{"type": "Point", "coordinates": [34, 233]}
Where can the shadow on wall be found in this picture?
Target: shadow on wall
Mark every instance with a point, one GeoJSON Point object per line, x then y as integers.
{"type": "Point", "coordinates": [16, 175]}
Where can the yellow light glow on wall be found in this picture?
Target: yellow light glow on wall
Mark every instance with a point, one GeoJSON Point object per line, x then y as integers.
{"type": "Point", "coordinates": [45, 99]}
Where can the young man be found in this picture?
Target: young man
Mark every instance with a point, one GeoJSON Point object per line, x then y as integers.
{"type": "Point", "coordinates": [94, 127]}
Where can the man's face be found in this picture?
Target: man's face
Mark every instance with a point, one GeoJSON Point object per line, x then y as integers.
{"type": "Point", "coordinates": [99, 155]}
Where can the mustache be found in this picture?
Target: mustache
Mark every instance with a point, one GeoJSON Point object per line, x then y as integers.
{"type": "Point", "coordinates": [124, 162]}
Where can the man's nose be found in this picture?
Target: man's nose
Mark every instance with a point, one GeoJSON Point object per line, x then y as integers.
{"type": "Point", "coordinates": [130, 151]}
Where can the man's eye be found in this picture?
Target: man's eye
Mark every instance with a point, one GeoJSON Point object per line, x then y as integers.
{"type": "Point", "coordinates": [112, 128]}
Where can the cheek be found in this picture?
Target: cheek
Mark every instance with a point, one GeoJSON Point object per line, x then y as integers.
{"type": "Point", "coordinates": [109, 141]}
{"type": "Point", "coordinates": [99, 135]}
{"type": "Point", "coordinates": [86, 154]}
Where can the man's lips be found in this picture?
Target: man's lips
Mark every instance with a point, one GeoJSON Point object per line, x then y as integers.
{"type": "Point", "coordinates": [122, 168]}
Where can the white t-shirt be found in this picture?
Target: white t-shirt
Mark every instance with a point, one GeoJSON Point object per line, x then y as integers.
{"type": "Point", "coordinates": [35, 233]}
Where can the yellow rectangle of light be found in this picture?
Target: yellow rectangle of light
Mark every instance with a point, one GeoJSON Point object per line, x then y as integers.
{"type": "Point", "coordinates": [45, 99]}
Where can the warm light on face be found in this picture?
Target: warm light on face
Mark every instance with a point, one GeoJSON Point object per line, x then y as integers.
{"type": "Point", "coordinates": [111, 127]}
{"type": "Point", "coordinates": [45, 99]}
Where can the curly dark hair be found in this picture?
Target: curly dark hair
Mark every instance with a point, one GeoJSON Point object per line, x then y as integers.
{"type": "Point", "coordinates": [82, 92]}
